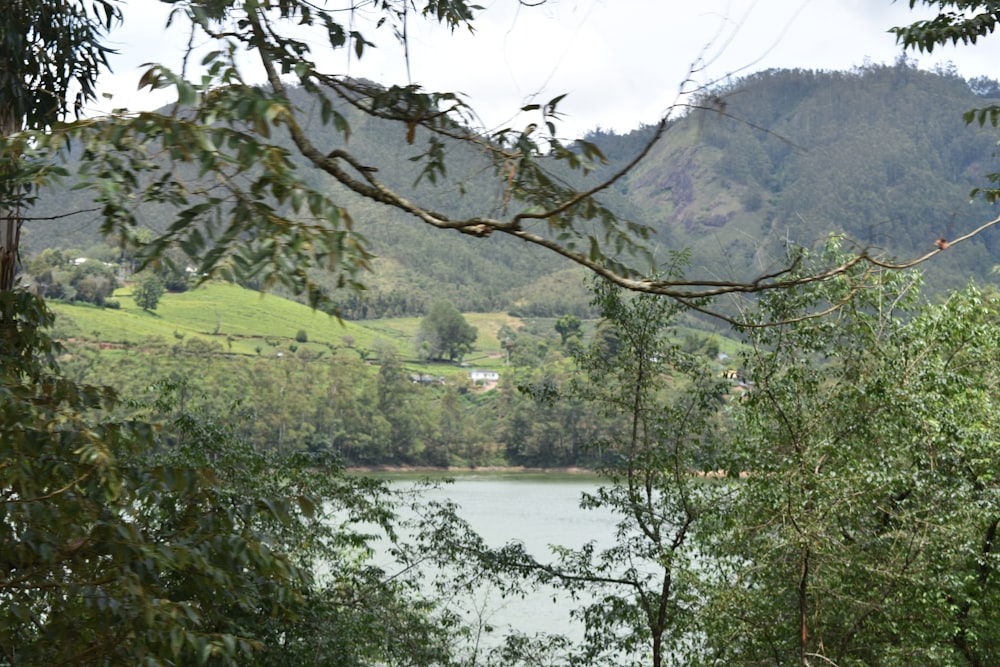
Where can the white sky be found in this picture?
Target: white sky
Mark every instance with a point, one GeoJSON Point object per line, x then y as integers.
{"type": "Point", "coordinates": [621, 62]}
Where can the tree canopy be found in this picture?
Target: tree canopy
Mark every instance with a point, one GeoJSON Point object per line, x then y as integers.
{"type": "Point", "coordinates": [864, 533]}
{"type": "Point", "coordinates": [147, 292]}
{"type": "Point", "coordinates": [965, 22]}
{"type": "Point", "coordinates": [166, 539]}
{"type": "Point", "coordinates": [444, 331]}
{"type": "Point", "coordinates": [852, 511]}
{"type": "Point", "coordinates": [46, 50]}
{"type": "Point", "coordinates": [568, 326]}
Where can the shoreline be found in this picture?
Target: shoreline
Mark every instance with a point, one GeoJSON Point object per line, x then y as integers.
{"type": "Point", "coordinates": [469, 470]}
{"type": "Point", "coordinates": [507, 470]}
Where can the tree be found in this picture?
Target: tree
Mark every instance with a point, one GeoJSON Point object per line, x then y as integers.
{"type": "Point", "coordinates": [666, 403]}
{"type": "Point", "coordinates": [166, 539]}
{"type": "Point", "coordinates": [965, 22]}
{"type": "Point", "coordinates": [344, 609]}
{"type": "Point", "coordinates": [107, 558]}
{"type": "Point", "coordinates": [957, 21]}
{"type": "Point", "coordinates": [607, 338]}
{"type": "Point", "coordinates": [122, 561]}
{"type": "Point", "coordinates": [865, 530]}
{"type": "Point", "coordinates": [858, 521]}
{"type": "Point", "coordinates": [93, 281]}
{"type": "Point", "coordinates": [508, 341]}
{"type": "Point", "coordinates": [46, 50]}
{"type": "Point", "coordinates": [641, 602]}
{"type": "Point", "coordinates": [148, 291]}
{"type": "Point", "coordinates": [444, 331]}
{"type": "Point", "coordinates": [568, 326]}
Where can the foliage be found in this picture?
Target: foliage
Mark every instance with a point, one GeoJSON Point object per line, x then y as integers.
{"type": "Point", "coordinates": [958, 21]}
{"type": "Point", "coordinates": [864, 533]}
{"type": "Point", "coordinates": [822, 154]}
{"type": "Point", "coordinates": [264, 221]}
{"type": "Point", "coordinates": [53, 275]}
{"type": "Point", "coordinates": [706, 345]}
{"type": "Point", "coordinates": [568, 327]}
{"type": "Point", "coordinates": [93, 282]}
{"type": "Point", "coordinates": [122, 544]}
{"type": "Point", "coordinates": [168, 540]}
{"type": "Point", "coordinates": [147, 292]}
{"type": "Point", "coordinates": [444, 331]}
{"type": "Point", "coordinates": [508, 340]}
{"type": "Point", "coordinates": [231, 176]}
{"type": "Point", "coordinates": [64, 43]}
{"type": "Point", "coordinates": [352, 600]}
{"type": "Point", "coordinates": [47, 50]}
{"type": "Point", "coordinates": [894, 178]}
{"type": "Point", "coordinates": [667, 405]}
{"type": "Point", "coordinates": [857, 524]}
{"type": "Point", "coordinates": [966, 22]}
{"type": "Point", "coordinates": [543, 433]}
{"type": "Point", "coordinates": [639, 601]}
{"type": "Point", "coordinates": [323, 397]}
{"type": "Point", "coordinates": [107, 558]}
{"type": "Point", "coordinates": [607, 338]}
{"type": "Point", "coordinates": [175, 274]}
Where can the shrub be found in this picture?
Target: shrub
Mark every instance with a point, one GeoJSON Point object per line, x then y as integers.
{"type": "Point", "coordinates": [301, 336]}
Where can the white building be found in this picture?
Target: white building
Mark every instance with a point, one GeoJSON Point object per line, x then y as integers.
{"type": "Point", "coordinates": [484, 376]}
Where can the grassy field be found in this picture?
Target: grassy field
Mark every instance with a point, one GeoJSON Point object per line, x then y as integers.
{"type": "Point", "coordinates": [250, 323]}
{"type": "Point", "coordinates": [244, 322]}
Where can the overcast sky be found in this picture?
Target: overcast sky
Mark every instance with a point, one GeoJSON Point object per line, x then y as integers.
{"type": "Point", "coordinates": [621, 62]}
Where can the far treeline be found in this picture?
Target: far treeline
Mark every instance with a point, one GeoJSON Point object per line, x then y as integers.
{"type": "Point", "coordinates": [880, 153]}
{"type": "Point", "coordinates": [385, 402]}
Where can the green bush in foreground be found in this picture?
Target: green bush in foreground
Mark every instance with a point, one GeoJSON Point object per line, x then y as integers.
{"type": "Point", "coordinates": [165, 540]}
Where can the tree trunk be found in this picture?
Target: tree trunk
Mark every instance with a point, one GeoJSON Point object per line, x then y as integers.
{"type": "Point", "coordinates": [10, 210]}
{"type": "Point", "coordinates": [803, 611]}
{"type": "Point", "coordinates": [11, 229]}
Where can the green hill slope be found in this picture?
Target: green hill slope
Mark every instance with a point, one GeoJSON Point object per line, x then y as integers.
{"type": "Point", "coordinates": [212, 312]}
{"type": "Point", "coordinates": [240, 321]}
{"type": "Point", "coordinates": [880, 154]}
{"type": "Point", "coordinates": [350, 389]}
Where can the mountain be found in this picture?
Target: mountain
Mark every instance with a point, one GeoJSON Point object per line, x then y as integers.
{"type": "Point", "coordinates": [880, 154]}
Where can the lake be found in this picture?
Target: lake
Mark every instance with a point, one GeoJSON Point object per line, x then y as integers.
{"type": "Point", "coordinates": [538, 510]}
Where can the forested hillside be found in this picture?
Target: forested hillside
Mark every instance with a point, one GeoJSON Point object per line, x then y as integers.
{"type": "Point", "coordinates": [880, 154]}
{"type": "Point", "coordinates": [357, 390]}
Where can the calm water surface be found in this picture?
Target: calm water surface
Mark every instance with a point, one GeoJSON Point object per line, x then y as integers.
{"type": "Point", "coordinates": [539, 511]}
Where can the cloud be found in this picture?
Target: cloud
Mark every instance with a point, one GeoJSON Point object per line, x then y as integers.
{"type": "Point", "coordinates": [621, 62]}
